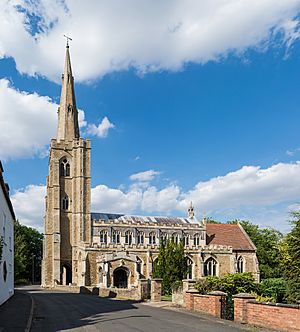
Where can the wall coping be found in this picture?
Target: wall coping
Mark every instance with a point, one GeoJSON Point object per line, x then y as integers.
{"type": "Point", "coordinates": [282, 305]}
{"type": "Point", "coordinates": [192, 291]}
{"type": "Point", "coordinates": [244, 296]}
{"type": "Point", "coordinates": [157, 279]}
{"type": "Point", "coordinates": [217, 293]}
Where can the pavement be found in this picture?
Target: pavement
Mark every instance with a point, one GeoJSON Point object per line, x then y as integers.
{"type": "Point", "coordinates": [16, 313]}
{"type": "Point", "coordinates": [34, 309]}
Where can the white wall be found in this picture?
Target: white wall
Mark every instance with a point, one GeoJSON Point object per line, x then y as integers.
{"type": "Point", "coordinates": [7, 227]}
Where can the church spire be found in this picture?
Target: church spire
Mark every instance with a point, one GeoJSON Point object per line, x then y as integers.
{"type": "Point", "coordinates": [67, 128]}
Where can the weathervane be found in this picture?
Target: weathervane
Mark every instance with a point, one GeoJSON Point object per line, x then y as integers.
{"type": "Point", "coordinates": [68, 38]}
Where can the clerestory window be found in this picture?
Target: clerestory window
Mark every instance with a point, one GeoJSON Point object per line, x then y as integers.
{"type": "Point", "coordinates": [152, 238]}
{"type": "Point", "coordinates": [116, 237]}
{"type": "Point", "coordinates": [140, 238]}
{"type": "Point", "coordinates": [128, 237]}
{"type": "Point", "coordinates": [103, 236]}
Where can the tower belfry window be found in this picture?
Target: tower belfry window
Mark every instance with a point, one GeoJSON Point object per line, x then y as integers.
{"type": "Point", "coordinates": [65, 168]}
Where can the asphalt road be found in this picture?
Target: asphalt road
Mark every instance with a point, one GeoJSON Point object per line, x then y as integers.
{"type": "Point", "coordinates": [58, 311]}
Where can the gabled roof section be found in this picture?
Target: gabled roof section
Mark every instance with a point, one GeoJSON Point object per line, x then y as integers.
{"type": "Point", "coordinates": [232, 235]}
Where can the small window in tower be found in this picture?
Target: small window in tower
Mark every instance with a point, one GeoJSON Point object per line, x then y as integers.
{"type": "Point", "coordinates": [65, 203]}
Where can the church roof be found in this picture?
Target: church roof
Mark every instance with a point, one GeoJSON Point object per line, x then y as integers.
{"type": "Point", "coordinates": [140, 219]}
{"type": "Point", "coordinates": [232, 235]}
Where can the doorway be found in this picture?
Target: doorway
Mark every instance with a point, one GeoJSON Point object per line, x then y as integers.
{"type": "Point", "coordinates": [121, 277]}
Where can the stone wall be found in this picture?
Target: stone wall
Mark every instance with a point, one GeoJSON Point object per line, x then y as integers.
{"type": "Point", "coordinates": [274, 316]}
{"type": "Point", "coordinates": [156, 288]}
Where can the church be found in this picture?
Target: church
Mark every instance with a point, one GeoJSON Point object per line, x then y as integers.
{"type": "Point", "coordinates": [116, 251]}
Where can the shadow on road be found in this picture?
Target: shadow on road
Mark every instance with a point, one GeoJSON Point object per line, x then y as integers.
{"type": "Point", "coordinates": [56, 311]}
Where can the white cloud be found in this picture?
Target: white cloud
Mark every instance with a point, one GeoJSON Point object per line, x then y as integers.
{"type": "Point", "coordinates": [27, 122]}
{"type": "Point", "coordinates": [146, 176]}
{"type": "Point", "coordinates": [106, 199]}
{"type": "Point", "coordinates": [147, 35]}
{"type": "Point", "coordinates": [29, 205]}
{"type": "Point", "coordinates": [102, 129]}
{"type": "Point", "coordinates": [264, 196]}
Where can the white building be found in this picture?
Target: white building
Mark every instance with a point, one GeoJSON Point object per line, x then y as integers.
{"type": "Point", "coordinates": [7, 218]}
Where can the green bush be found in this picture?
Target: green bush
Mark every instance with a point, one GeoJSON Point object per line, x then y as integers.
{"type": "Point", "coordinates": [274, 288]}
{"type": "Point", "coordinates": [231, 284]}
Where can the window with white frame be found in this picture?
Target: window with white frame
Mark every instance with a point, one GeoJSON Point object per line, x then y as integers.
{"type": "Point", "coordinates": [196, 239]}
{"type": "Point", "coordinates": [186, 240]}
{"type": "Point", "coordinates": [140, 238]}
{"type": "Point", "coordinates": [103, 236]}
{"type": "Point", "coordinates": [152, 238]}
{"type": "Point", "coordinates": [190, 268]}
{"type": "Point", "coordinates": [175, 238]}
{"type": "Point", "coordinates": [240, 265]}
{"type": "Point", "coordinates": [64, 168]}
{"type": "Point", "coordinates": [163, 237]}
{"type": "Point", "coordinates": [115, 237]}
{"type": "Point", "coordinates": [128, 237]}
{"type": "Point", "coordinates": [210, 267]}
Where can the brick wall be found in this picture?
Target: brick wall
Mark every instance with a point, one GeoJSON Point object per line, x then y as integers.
{"type": "Point", "coordinates": [208, 304]}
{"type": "Point", "coordinates": [275, 316]}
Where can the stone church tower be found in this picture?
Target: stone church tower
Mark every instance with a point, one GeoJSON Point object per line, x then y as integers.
{"type": "Point", "coordinates": [67, 218]}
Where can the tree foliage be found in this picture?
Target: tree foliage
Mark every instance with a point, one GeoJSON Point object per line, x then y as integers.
{"type": "Point", "coordinates": [171, 264]}
{"type": "Point", "coordinates": [267, 242]}
{"type": "Point", "coordinates": [28, 253]}
{"type": "Point", "coordinates": [290, 253]}
{"type": "Point", "coordinates": [274, 289]}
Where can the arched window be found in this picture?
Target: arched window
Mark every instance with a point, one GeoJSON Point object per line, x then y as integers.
{"type": "Point", "coordinates": [190, 268]}
{"type": "Point", "coordinates": [175, 238]}
{"type": "Point", "coordinates": [103, 236]}
{"type": "Point", "coordinates": [240, 265]}
{"type": "Point", "coordinates": [152, 238]}
{"type": "Point", "coordinates": [64, 168]}
{"type": "Point", "coordinates": [128, 237]}
{"type": "Point", "coordinates": [65, 203]}
{"type": "Point", "coordinates": [210, 267]}
{"type": "Point", "coordinates": [163, 237]}
{"type": "Point", "coordinates": [140, 238]}
{"type": "Point", "coordinates": [186, 240]}
{"type": "Point", "coordinates": [196, 239]}
{"type": "Point", "coordinates": [115, 237]}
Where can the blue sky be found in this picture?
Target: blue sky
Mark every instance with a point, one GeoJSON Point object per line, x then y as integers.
{"type": "Point", "coordinates": [178, 106]}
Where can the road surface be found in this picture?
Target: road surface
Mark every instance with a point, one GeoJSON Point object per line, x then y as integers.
{"type": "Point", "coordinates": [61, 311]}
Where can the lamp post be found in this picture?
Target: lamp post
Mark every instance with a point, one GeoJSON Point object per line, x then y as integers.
{"type": "Point", "coordinates": [32, 270]}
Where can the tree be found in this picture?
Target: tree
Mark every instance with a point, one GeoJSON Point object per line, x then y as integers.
{"type": "Point", "coordinates": [171, 264]}
{"type": "Point", "coordinates": [28, 253]}
{"type": "Point", "coordinates": [267, 242]}
{"type": "Point", "coordinates": [290, 250]}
